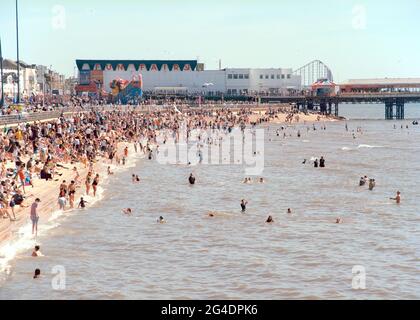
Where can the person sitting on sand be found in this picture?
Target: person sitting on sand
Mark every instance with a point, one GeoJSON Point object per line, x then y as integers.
{"type": "Point", "coordinates": [269, 219]}
{"type": "Point", "coordinates": [36, 252]}
{"type": "Point", "coordinates": [127, 211]}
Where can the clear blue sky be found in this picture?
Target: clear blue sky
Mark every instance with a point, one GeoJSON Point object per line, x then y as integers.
{"type": "Point", "coordinates": [247, 33]}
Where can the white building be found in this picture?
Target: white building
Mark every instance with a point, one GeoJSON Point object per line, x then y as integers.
{"type": "Point", "coordinates": [27, 78]}
{"type": "Point", "coordinates": [186, 76]}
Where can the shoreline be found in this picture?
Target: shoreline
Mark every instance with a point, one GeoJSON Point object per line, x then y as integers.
{"type": "Point", "coordinates": [12, 232]}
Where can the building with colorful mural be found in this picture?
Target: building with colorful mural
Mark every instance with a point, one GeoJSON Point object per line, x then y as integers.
{"type": "Point", "coordinates": [124, 78]}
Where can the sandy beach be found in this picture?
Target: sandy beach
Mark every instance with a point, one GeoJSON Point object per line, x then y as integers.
{"type": "Point", "coordinates": [48, 191]}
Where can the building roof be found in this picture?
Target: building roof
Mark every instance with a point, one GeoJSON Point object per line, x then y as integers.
{"type": "Point", "coordinates": [12, 65]}
{"type": "Point", "coordinates": [136, 63]}
{"type": "Point", "coordinates": [385, 81]}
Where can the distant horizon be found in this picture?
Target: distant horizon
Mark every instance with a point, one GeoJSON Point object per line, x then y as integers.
{"type": "Point", "coordinates": [355, 39]}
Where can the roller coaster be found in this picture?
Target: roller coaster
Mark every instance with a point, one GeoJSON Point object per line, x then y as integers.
{"type": "Point", "coordinates": [313, 71]}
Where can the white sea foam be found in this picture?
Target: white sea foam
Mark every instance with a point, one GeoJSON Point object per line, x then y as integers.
{"type": "Point", "coordinates": [367, 146]}
{"type": "Point", "coordinates": [23, 240]}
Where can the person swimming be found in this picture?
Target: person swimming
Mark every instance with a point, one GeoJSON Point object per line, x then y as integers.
{"type": "Point", "coordinates": [127, 211]}
{"type": "Point", "coordinates": [269, 219]}
{"type": "Point", "coordinates": [161, 220]}
{"type": "Point", "coordinates": [191, 179]}
{"type": "Point", "coordinates": [36, 252]}
{"type": "Point", "coordinates": [289, 211]}
{"type": "Point", "coordinates": [339, 220]}
{"type": "Point", "coordinates": [362, 181]}
{"type": "Point", "coordinates": [37, 273]}
{"type": "Point", "coordinates": [109, 171]}
{"type": "Point", "coordinates": [243, 205]}
{"type": "Point", "coordinates": [261, 180]}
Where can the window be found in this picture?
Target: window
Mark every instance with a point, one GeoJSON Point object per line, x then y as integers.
{"type": "Point", "coordinates": [266, 76]}
{"type": "Point", "coordinates": [288, 76]}
{"type": "Point", "coordinates": [261, 76]}
{"type": "Point", "coordinates": [278, 76]}
{"type": "Point", "coordinates": [246, 76]}
{"type": "Point", "coordinates": [241, 76]}
{"type": "Point", "coordinates": [229, 91]}
{"type": "Point", "coordinates": [235, 76]}
{"type": "Point", "coordinates": [272, 76]}
{"type": "Point", "coordinates": [282, 76]}
{"type": "Point", "coordinates": [229, 76]}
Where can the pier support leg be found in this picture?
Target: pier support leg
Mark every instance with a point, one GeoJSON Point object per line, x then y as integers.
{"type": "Point", "coordinates": [329, 107]}
{"type": "Point", "coordinates": [400, 109]}
{"type": "Point", "coordinates": [310, 105]}
{"type": "Point", "coordinates": [336, 109]}
{"type": "Point", "coordinates": [323, 106]}
{"type": "Point", "coordinates": [389, 109]}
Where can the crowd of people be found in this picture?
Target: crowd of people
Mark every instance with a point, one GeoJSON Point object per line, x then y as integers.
{"type": "Point", "coordinates": [41, 152]}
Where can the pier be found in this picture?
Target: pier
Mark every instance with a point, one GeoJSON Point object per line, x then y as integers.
{"type": "Point", "coordinates": [393, 102]}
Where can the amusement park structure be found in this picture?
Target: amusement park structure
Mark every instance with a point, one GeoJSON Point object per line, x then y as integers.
{"type": "Point", "coordinates": [313, 71]}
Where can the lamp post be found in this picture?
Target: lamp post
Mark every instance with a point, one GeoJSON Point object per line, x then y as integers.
{"type": "Point", "coordinates": [1, 77]}
{"type": "Point", "coordinates": [17, 52]}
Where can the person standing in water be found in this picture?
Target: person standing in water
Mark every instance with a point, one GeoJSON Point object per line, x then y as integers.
{"type": "Point", "coordinates": [72, 192]}
{"type": "Point", "coordinates": [243, 205]}
{"type": "Point", "coordinates": [191, 179]}
{"type": "Point", "coordinates": [397, 199]}
{"type": "Point", "coordinates": [35, 216]}
{"type": "Point", "coordinates": [95, 184]}
{"type": "Point", "coordinates": [322, 162]}
{"type": "Point", "coordinates": [372, 184]}
{"type": "Point", "coordinates": [88, 182]}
